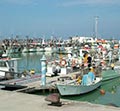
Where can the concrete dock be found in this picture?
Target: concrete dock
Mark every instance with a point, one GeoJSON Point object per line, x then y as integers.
{"type": "Point", "coordinates": [16, 101]}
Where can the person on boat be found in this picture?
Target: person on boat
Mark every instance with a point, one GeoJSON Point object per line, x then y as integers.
{"type": "Point", "coordinates": [91, 75]}
{"type": "Point", "coordinates": [112, 66]}
{"type": "Point", "coordinates": [79, 79]}
{"type": "Point", "coordinates": [96, 71]}
{"type": "Point", "coordinates": [85, 78]}
{"type": "Point", "coordinates": [85, 58]}
{"type": "Point", "coordinates": [89, 60]}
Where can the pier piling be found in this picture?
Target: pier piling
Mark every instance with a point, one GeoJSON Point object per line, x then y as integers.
{"type": "Point", "coordinates": [43, 70]}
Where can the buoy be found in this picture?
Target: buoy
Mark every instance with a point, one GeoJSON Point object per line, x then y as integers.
{"type": "Point", "coordinates": [102, 91]}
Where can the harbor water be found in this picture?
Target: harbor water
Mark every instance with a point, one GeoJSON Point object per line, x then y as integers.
{"type": "Point", "coordinates": [111, 96]}
{"type": "Point", "coordinates": [30, 61]}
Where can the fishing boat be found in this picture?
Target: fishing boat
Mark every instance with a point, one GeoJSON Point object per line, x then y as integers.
{"type": "Point", "coordinates": [25, 49]}
{"type": "Point", "coordinates": [8, 67]}
{"type": "Point", "coordinates": [70, 87]}
{"type": "Point", "coordinates": [111, 74]}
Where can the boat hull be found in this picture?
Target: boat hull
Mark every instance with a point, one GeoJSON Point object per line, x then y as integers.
{"type": "Point", "coordinates": [68, 89]}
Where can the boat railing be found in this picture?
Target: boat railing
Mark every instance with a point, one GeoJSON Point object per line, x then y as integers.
{"type": "Point", "coordinates": [71, 81]}
{"type": "Point", "coordinates": [66, 82]}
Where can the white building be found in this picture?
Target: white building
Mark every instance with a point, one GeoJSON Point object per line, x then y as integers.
{"type": "Point", "coordinates": [82, 39]}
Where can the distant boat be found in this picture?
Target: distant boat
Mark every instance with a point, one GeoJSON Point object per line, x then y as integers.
{"type": "Point", "coordinates": [15, 48]}
{"type": "Point", "coordinates": [72, 88]}
{"type": "Point", "coordinates": [25, 49]}
{"type": "Point", "coordinates": [32, 48]}
{"type": "Point", "coordinates": [111, 74]}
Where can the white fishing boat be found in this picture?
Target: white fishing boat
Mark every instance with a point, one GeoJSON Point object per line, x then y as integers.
{"type": "Point", "coordinates": [48, 49]}
{"type": "Point", "coordinates": [70, 87]}
{"type": "Point", "coordinates": [32, 48]}
{"type": "Point", "coordinates": [7, 67]}
{"type": "Point", "coordinates": [25, 49]}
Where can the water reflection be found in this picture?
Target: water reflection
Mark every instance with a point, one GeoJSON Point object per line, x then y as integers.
{"type": "Point", "coordinates": [30, 61]}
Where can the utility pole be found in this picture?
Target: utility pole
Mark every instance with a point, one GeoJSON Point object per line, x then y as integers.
{"type": "Point", "coordinates": [96, 27]}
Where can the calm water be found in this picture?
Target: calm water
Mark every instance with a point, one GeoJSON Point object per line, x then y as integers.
{"type": "Point", "coordinates": [28, 61]}
{"type": "Point", "coordinates": [111, 87]}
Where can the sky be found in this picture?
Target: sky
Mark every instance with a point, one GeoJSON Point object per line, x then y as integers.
{"type": "Point", "coordinates": [60, 18]}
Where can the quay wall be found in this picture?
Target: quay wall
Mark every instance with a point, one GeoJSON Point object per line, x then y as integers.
{"type": "Point", "coordinates": [16, 101]}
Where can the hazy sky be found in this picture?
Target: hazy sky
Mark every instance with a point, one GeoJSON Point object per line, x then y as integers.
{"type": "Point", "coordinates": [59, 17]}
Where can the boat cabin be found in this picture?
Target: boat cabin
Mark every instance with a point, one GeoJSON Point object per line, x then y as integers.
{"type": "Point", "coordinates": [7, 66]}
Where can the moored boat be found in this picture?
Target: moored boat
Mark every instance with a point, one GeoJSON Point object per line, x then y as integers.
{"type": "Point", "coordinates": [25, 49]}
{"type": "Point", "coordinates": [8, 67]}
{"type": "Point", "coordinates": [72, 88]}
{"type": "Point", "coordinates": [111, 74]}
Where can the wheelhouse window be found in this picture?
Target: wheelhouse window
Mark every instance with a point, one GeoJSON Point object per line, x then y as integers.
{"type": "Point", "coordinates": [3, 64]}
{"type": "Point", "coordinates": [11, 63]}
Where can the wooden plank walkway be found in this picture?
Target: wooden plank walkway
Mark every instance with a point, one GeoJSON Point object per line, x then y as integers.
{"type": "Point", "coordinates": [33, 82]}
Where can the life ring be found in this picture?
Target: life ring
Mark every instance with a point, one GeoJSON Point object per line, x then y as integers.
{"type": "Point", "coordinates": [63, 62]}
